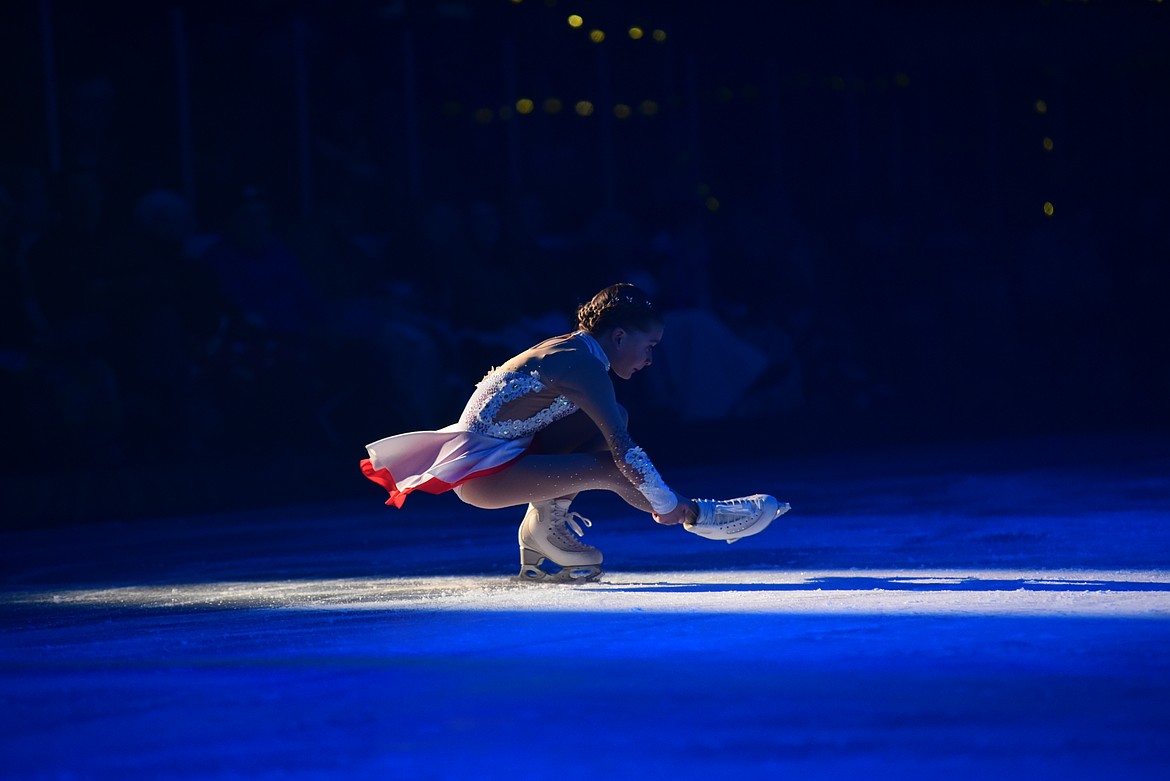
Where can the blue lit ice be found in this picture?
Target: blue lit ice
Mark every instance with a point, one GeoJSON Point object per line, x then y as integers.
{"type": "Point", "coordinates": [949, 613]}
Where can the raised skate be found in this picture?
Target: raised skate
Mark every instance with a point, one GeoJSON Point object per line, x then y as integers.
{"type": "Point", "coordinates": [734, 519]}
{"type": "Point", "coordinates": [550, 533]}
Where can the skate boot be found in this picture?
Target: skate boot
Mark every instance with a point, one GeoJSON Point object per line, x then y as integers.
{"type": "Point", "coordinates": [733, 519]}
{"type": "Point", "coordinates": [550, 533]}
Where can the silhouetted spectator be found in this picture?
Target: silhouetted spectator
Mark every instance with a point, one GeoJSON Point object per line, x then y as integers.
{"type": "Point", "coordinates": [72, 270]}
{"type": "Point", "coordinates": [170, 320]}
{"type": "Point", "coordinates": [277, 345]}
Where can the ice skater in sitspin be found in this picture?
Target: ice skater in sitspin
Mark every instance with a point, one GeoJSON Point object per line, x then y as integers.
{"type": "Point", "coordinates": [546, 425]}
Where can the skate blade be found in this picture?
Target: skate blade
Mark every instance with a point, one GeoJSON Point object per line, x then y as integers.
{"type": "Point", "coordinates": [530, 573]}
{"type": "Point", "coordinates": [759, 527]}
{"type": "Point", "coordinates": [783, 508]}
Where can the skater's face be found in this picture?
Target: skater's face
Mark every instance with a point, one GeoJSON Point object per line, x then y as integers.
{"type": "Point", "coordinates": [632, 349]}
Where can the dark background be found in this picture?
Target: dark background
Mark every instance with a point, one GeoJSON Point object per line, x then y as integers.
{"type": "Point", "coordinates": [242, 239]}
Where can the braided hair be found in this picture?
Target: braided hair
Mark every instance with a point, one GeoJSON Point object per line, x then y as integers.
{"type": "Point", "coordinates": [618, 306]}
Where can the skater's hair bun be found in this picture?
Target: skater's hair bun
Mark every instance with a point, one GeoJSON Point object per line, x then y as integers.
{"type": "Point", "coordinates": [618, 306]}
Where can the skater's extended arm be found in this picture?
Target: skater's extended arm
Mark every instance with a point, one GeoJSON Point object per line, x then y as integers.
{"type": "Point", "coordinates": [586, 384]}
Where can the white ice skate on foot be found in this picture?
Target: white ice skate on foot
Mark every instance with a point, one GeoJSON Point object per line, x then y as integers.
{"type": "Point", "coordinates": [550, 533]}
{"type": "Point", "coordinates": [734, 519]}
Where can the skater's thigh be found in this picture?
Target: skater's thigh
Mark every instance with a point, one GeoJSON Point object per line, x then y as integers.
{"type": "Point", "coordinates": [537, 478]}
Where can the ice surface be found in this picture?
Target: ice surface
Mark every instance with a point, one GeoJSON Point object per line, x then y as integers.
{"type": "Point", "coordinates": [1052, 593]}
{"type": "Point", "coordinates": [957, 612]}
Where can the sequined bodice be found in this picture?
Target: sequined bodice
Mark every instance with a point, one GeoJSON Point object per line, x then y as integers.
{"type": "Point", "coordinates": [499, 388]}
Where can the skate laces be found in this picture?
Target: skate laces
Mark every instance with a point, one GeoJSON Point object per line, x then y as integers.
{"type": "Point", "coordinates": [564, 520]}
{"type": "Point", "coordinates": [713, 512]}
{"type": "Point", "coordinates": [733, 519]}
{"type": "Point", "coordinates": [570, 520]}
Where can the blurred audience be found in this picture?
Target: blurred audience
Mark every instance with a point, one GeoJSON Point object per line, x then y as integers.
{"type": "Point", "coordinates": [138, 324]}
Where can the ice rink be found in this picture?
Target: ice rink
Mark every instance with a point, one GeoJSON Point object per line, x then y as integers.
{"type": "Point", "coordinates": [999, 610]}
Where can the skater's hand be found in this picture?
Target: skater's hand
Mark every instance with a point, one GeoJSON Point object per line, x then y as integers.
{"type": "Point", "coordinates": [684, 511]}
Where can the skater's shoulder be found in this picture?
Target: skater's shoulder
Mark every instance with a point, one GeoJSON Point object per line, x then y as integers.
{"type": "Point", "coordinates": [571, 359]}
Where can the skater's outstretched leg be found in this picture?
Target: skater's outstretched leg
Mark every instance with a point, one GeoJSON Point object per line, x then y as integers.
{"type": "Point", "coordinates": [540, 478]}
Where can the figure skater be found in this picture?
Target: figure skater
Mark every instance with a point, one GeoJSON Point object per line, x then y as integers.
{"type": "Point", "coordinates": [546, 425]}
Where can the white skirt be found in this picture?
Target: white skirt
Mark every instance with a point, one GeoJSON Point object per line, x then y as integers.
{"type": "Point", "coordinates": [437, 461]}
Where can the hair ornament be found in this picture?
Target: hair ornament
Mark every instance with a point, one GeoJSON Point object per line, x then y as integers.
{"type": "Point", "coordinates": [631, 300]}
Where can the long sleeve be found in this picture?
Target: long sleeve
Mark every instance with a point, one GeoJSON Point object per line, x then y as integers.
{"type": "Point", "coordinates": [633, 462]}
{"type": "Point", "coordinates": [587, 385]}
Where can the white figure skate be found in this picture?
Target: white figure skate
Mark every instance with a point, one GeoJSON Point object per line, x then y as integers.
{"type": "Point", "coordinates": [734, 519]}
{"type": "Point", "coordinates": [550, 533]}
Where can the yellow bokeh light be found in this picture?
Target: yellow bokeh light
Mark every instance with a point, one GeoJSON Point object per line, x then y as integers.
{"type": "Point", "coordinates": [1047, 144]}
{"type": "Point", "coordinates": [452, 108]}
{"type": "Point", "coordinates": [659, 35]}
{"type": "Point", "coordinates": [552, 106]}
{"type": "Point", "coordinates": [597, 36]}
{"type": "Point", "coordinates": [648, 107]}
{"type": "Point", "coordinates": [1048, 208]}
{"type": "Point", "coordinates": [576, 21]}
{"type": "Point", "coordinates": [902, 79]}
{"type": "Point", "coordinates": [525, 106]}
{"type": "Point", "coordinates": [584, 108]}
{"type": "Point", "coordinates": [1041, 107]}
{"type": "Point", "coordinates": [712, 204]}
{"type": "Point", "coordinates": [621, 111]}
{"type": "Point", "coordinates": [636, 33]}
{"type": "Point", "coordinates": [483, 116]}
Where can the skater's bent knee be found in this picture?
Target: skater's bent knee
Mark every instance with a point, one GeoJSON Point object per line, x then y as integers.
{"type": "Point", "coordinates": [468, 497]}
{"type": "Point", "coordinates": [470, 494]}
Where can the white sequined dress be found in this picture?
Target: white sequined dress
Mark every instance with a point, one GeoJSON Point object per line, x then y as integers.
{"type": "Point", "coordinates": [483, 442]}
